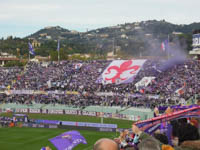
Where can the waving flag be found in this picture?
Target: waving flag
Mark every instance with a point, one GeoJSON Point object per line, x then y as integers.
{"type": "Point", "coordinates": [164, 45]}
{"type": "Point", "coordinates": [31, 50]}
{"type": "Point", "coordinates": [144, 82]}
{"type": "Point", "coordinates": [181, 90]}
{"type": "Point", "coordinates": [78, 65]}
{"type": "Point", "coordinates": [68, 140]}
{"type": "Point", "coordinates": [58, 46]}
{"type": "Point", "coordinates": [121, 71]}
{"type": "Point", "coordinates": [156, 68]}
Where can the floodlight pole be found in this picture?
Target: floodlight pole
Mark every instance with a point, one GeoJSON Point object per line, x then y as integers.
{"type": "Point", "coordinates": [195, 100]}
{"type": "Point", "coordinates": [102, 113]}
{"type": "Point", "coordinates": [59, 56]}
{"type": "Point", "coordinates": [29, 57]}
{"type": "Point", "coordinates": [168, 47]}
{"type": "Point", "coordinates": [58, 49]}
{"type": "Point", "coordinates": [114, 46]}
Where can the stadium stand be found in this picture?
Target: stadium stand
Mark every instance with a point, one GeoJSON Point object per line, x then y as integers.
{"type": "Point", "coordinates": [80, 83]}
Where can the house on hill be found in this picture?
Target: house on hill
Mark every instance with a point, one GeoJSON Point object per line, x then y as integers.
{"type": "Point", "coordinates": [5, 57]}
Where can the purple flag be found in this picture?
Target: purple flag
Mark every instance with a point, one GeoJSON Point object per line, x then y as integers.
{"type": "Point", "coordinates": [31, 50]}
{"type": "Point", "coordinates": [68, 140]}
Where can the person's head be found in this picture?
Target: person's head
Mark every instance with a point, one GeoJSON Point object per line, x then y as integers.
{"type": "Point", "coordinates": [48, 148]}
{"type": "Point", "coordinates": [198, 101]}
{"type": "Point", "coordinates": [175, 126]}
{"type": "Point", "coordinates": [188, 132]}
{"type": "Point", "coordinates": [126, 132]}
{"type": "Point", "coordinates": [156, 111]}
{"type": "Point", "coordinates": [175, 141]}
{"type": "Point", "coordinates": [130, 148]}
{"type": "Point", "coordinates": [105, 144]}
{"type": "Point", "coordinates": [122, 135]}
{"type": "Point", "coordinates": [168, 110]}
{"type": "Point", "coordinates": [149, 144]}
{"type": "Point", "coordinates": [194, 145]}
{"type": "Point", "coordinates": [161, 137]}
{"type": "Point", "coordinates": [182, 121]}
{"type": "Point", "coordinates": [194, 122]}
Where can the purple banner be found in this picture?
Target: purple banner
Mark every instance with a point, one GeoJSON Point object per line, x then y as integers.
{"type": "Point", "coordinates": [47, 121]}
{"type": "Point", "coordinates": [68, 140]}
{"type": "Point", "coordinates": [80, 124]}
{"type": "Point", "coordinates": [177, 107]}
{"type": "Point", "coordinates": [98, 125]}
{"type": "Point", "coordinates": [69, 123]}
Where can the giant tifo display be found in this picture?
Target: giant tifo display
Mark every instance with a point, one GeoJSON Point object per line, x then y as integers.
{"type": "Point", "coordinates": [169, 88]}
{"type": "Point", "coordinates": [137, 83]}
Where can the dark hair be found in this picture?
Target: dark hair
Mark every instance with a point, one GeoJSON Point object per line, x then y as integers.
{"type": "Point", "coordinates": [175, 126]}
{"type": "Point", "coordinates": [187, 132]}
{"type": "Point", "coordinates": [182, 121]}
{"type": "Point", "coordinates": [162, 138]}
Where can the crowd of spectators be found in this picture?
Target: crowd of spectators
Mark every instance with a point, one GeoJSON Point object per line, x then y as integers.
{"type": "Point", "coordinates": [185, 136]}
{"type": "Point", "coordinates": [75, 83]}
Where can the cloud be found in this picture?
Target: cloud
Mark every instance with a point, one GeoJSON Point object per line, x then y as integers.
{"type": "Point", "coordinates": [95, 13]}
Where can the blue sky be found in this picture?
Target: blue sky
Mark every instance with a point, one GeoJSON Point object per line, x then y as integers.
{"type": "Point", "coordinates": [23, 17]}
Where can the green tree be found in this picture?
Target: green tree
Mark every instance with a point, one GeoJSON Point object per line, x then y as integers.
{"type": "Point", "coordinates": [15, 63]}
{"type": "Point", "coordinates": [63, 54]}
{"type": "Point", "coordinates": [54, 55]}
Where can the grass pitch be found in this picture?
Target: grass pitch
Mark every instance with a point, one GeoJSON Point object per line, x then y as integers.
{"type": "Point", "coordinates": [36, 138]}
{"type": "Point", "coordinates": [77, 118]}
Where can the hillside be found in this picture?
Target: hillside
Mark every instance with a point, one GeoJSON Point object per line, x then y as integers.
{"type": "Point", "coordinates": [130, 39]}
{"type": "Point", "coordinates": [50, 33]}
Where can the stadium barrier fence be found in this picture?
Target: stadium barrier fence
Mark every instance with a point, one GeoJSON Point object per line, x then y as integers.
{"type": "Point", "coordinates": [132, 114]}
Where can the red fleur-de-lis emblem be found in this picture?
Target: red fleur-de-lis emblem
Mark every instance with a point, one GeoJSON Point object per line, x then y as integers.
{"type": "Point", "coordinates": [125, 66]}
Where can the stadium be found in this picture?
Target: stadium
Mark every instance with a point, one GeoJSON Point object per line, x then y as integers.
{"type": "Point", "coordinates": [72, 104]}
{"type": "Point", "coordinates": [97, 98]}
